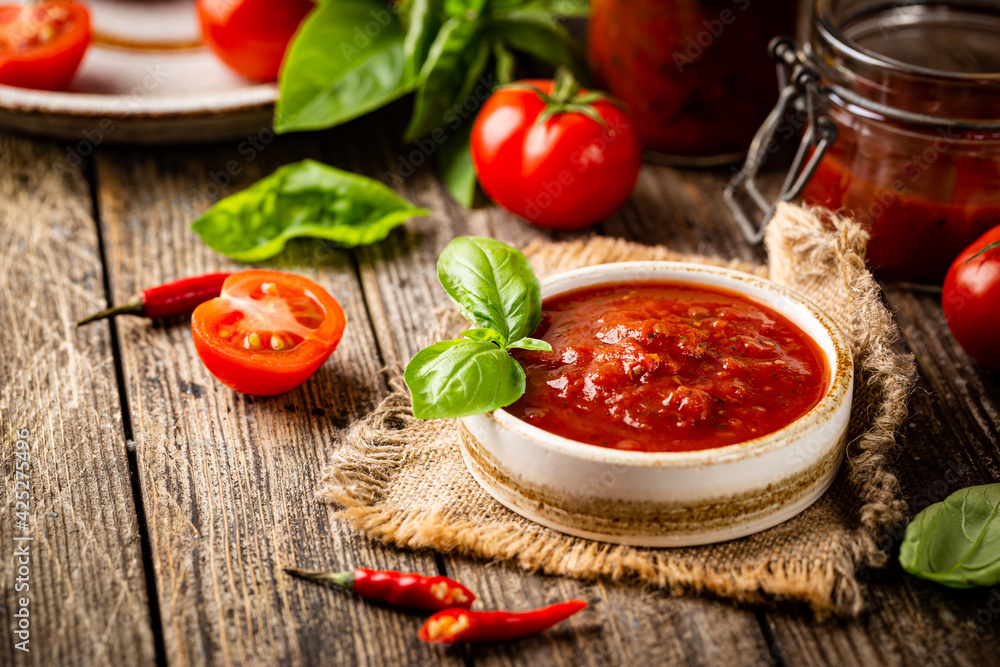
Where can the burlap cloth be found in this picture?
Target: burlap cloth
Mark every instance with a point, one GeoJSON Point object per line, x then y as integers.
{"type": "Point", "coordinates": [403, 481]}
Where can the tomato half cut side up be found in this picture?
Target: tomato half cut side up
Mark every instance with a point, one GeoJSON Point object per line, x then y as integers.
{"type": "Point", "coordinates": [268, 332]}
{"type": "Point", "coordinates": [41, 45]}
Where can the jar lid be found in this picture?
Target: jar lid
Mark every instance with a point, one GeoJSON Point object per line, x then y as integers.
{"type": "Point", "coordinates": [939, 60]}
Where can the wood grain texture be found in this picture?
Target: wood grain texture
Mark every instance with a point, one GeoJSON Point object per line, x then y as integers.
{"type": "Point", "coordinates": [87, 590]}
{"type": "Point", "coordinates": [228, 480]}
{"type": "Point", "coordinates": [621, 625]}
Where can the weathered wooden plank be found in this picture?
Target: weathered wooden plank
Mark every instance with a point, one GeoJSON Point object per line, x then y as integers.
{"type": "Point", "coordinates": [229, 480]}
{"type": "Point", "coordinates": [84, 575]}
{"type": "Point", "coordinates": [623, 624]}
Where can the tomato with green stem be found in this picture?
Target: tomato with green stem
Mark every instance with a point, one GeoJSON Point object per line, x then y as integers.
{"type": "Point", "coordinates": [555, 154]}
{"type": "Point", "coordinates": [971, 299]}
{"type": "Point", "coordinates": [268, 331]}
{"type": "Point", "coordinates": [42, 44]}
{"type": "Point", "coordinates": [251, 36]}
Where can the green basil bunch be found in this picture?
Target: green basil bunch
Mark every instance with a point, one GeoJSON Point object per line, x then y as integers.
{"type": "Point", "coordinates": [350, 57]}
{"type": "Point", "coordinates": [956, 542]}
{"type": "Point", "coordinates": [495, 289]}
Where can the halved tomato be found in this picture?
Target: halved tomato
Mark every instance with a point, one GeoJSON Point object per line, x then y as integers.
{"type": "Point", "coordinates": [41, 45]}
{"type": "Point", "coordinates": [268, 331]}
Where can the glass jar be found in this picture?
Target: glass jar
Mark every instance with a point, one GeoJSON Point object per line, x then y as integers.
{"type": "Point", "coordinates": [913, 89]}
{"type": "Point", "coordinates": [694, 73]}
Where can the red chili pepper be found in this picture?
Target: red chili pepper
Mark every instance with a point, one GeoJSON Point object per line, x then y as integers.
{"type": "Point", "coordinates": [174, 298]}
{"type": "Point", "coordinates": [399, 589]}
{"type": "Point", "coordinates": [462, 625]}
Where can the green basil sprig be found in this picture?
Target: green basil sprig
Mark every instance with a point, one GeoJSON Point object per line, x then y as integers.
{"type": "Point", "coordinates": [495, 289]}
{"type": "Point", "coordinates": [305, 198]}
{"type": "Point", "coordinates": [352, 56]}
{"type": "Point", "coordinates": [956, 542]}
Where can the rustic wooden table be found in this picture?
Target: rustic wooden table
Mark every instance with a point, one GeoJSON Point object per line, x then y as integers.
{"type": "Point", "coordinates": [164, 506]}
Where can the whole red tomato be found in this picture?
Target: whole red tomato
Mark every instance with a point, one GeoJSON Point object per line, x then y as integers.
{"type": "Point", "coordinates": [267, 332]}
{"type": "Point", "coordinates": [41, 45]}
{"type": "Point", "coordinates": [251, 36]}
{"type": "Point", "coordinates": [971, 299]}
{"type": "Point", "coordinates": [554, 154]}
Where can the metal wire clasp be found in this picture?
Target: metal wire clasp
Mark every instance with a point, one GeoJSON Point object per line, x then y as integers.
{"type": "Point", "coordinates": [800, 91]}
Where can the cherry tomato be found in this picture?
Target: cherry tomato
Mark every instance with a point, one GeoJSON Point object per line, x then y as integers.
{"type": "Point", "coordinates": [554, 154]}
{"type": "Point", "coordinates": [268, 331]}
{"type": "Point", "coordinates": [971, 299]}
{"type": "Point", "coordinates": [41, 45]}
{"type": "Point", "coordinates": [251, 36]}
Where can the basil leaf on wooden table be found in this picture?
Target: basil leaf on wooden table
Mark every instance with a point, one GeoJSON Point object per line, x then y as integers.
{"type": "Point", "coordinates": [494, 287]}
{"type": "Point", "coordinates": [306, 198]}
{"type": "Point", "coordinates": [347, 59]}
{"type": "Point", "coordinates": [956, 542]}
{"type": "Point", "coordinates": [458, 378]}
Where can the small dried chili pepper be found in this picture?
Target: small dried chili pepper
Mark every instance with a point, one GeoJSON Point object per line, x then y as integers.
{"type": "Point", "coordinates": [462, 625]}
{"type": "Point", "coordinates": [172, 298]}
{"type": "Point", "coordinates": [399, 589]}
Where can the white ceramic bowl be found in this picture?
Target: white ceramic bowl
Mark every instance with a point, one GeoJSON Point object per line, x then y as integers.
{"type": "Point", "coordinates": [671, 498]}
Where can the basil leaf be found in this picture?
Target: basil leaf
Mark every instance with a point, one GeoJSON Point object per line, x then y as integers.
{"type": "Point", "coordinates": [303, 199]}
{"type": "Point", "coordinates": [484, 335]}
{"type": "Point", "coordinates": [566, 8]}
{"type": "Point", "coordinates": [454, 160]}
{"type": "Point", "coordinates": [538, 34]}
{"type": "Point", "coordinates": [346, 59]}
{"type": "Point", "coordinates": [424, 25]}
{"type": "Point", "coordinates": [956, 542]}
{"type": "Point", "coordinates": [531, 344]}
{"type": "Point", "coordinates": [458, 378]}
{"type": "Point", "coordinates": [456, 59]}
{"type": "Point", "coordinates": [504, 63]}
{"type": "Point", "coordinates": [493, 285]}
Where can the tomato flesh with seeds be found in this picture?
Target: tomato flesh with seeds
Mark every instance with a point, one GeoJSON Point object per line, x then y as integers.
{"type": "Point", "coordinates": [251, 36]}
{"type": "Point", "coordinates": [41, 45]}
{"type": "Point", "coordinates": [268, 332]}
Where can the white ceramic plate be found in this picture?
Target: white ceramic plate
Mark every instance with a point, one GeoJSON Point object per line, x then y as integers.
{"type": "Point", "coordinates": [670, 498]}
{"type": "Point", "coordinates": [145, 79]}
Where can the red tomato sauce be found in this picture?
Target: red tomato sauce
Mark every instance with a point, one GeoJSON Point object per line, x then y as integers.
{"type": "Point", "coordinates": [667, 367]}
{"type": "Point", "coordinates": [918, 222]}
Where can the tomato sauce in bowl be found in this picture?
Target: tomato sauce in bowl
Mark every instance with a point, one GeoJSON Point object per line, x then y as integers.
{"type": "Point", "coordinates": [667, 367]}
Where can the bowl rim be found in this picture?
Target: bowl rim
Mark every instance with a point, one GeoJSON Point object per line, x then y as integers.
{"type": "Point", "coordinates": [840, 365]}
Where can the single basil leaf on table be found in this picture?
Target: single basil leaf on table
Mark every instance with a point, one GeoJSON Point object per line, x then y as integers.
{"type": "Point", "coordinates": [336, 69]}
{"type": "Point", "coordinates": [533, 344]}
{"type": "Point", "coordinates": [538, 34]}
{"type": "Point", "coordinates": [459, 378]}
{"type": "Point", "coordinates": [456, 59]}
{"type": "Point", "coordinates": [956, 542]}
{"type": "Point", "coordinates": [305, 198]}
{"type": "Point", "coordinates": [493, 285]}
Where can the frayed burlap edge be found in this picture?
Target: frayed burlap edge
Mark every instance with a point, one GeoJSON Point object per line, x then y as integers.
{"type": "Point", "coordinates": [377, 446]}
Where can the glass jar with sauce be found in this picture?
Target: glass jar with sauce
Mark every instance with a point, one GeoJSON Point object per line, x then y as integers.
{"type": "Point", "coordinates": [913, 89]}
{"type": "Point", "coordinates": [694, 73]}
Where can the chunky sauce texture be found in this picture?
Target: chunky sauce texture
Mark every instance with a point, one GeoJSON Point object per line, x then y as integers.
{"type": "Point", "coordinates": [664, 367]}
